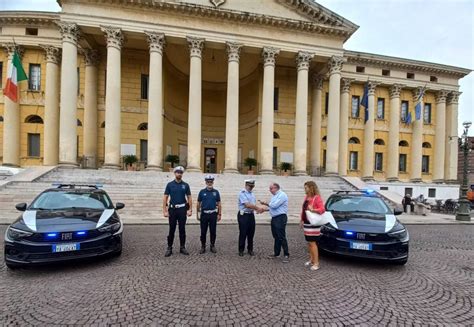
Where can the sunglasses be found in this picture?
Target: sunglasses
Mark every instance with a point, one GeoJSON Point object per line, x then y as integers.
{"type": "Point", "coordinates": [209, 182]}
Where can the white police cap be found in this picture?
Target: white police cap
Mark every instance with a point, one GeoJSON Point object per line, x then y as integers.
{"type": "Point", "coordinates": [250, 181]}
{"type": "Point", "coordinates": [178, 168]}
{"type": "Point", "coordinates": [208, 178]}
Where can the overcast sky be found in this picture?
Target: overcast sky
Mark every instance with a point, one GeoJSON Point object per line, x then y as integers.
{"type": "Point", "coordinates": [439, 31]}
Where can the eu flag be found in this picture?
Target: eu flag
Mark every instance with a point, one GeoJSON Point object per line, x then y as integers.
{"type": "Point", "coordinates": [365, 102]}
{"type": "Point", "coordinates": [418, 104]}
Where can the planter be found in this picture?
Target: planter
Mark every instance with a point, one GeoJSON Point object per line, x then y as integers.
{"type": "Point", "coordinates": [250, 172]}
{"type": "Point", "coordinates": [285, 173]}
{"type": "Point", "coordinates": [131, 168]}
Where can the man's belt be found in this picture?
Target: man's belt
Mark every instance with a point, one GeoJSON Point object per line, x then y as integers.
{"type": "Point", "coordinates": [177, 206]}
{"type": "Point", "coordinates": [209, 211]}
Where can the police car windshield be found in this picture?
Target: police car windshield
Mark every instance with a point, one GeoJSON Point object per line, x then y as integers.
{"type": "Point", "coordinates": [55, 200]}
{"type": "Point", "coordinates": [362, 204]}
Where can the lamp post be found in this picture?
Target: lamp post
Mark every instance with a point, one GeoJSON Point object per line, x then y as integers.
{"type": "Point", "coordinates": [463, 212]}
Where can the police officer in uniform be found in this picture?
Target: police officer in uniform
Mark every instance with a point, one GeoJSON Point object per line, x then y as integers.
{"type": "Point", "coordinates": [209, 212]}
{"type": "Point", "coordinates": [246, 217]}
{"type": "Point", "coordinates": [179, 207]}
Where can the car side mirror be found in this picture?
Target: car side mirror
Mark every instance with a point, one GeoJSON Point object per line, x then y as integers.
{"type": "Point", "coordinates": [119, 205]}
{"type": "Point", "coordinates": [21, 206]}
{"type": "Point", "coordinates": [397, 211]}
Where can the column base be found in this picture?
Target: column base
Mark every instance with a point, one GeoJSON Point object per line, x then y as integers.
{"type": "Point", "coordinates": [452, 181]}
{"type": "Point", "coordinates": [463, 216]}
{"type": "Point", "coordinates": [416, 180]}
{"type": "Point", "coordinates": [266, 172]}
{"type": "Point", "coordinates": [368, 178]}
{"type": "Point", "coordinates": [300, 173]}
{"type": "Point", "coordinates": [108, 166]}
{"type": "Point", "coordinates": [438, 181]}
{"type": "Point", "coordinates": [331, 174]}
{"type": "Point", "coordinates": [68, 165]}
{"type": "Point", "coordinates": [230, 171]}
{"type": "Point", "coordinates": [6, 164]}
{"type": "Point", "coordinates": [154, 168]}
{"type": "Point", "coordinates": [393, 179]}
{"type": "Point", "coordinates": [193, 170]}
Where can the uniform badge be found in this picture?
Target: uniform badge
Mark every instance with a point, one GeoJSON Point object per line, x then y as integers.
{"type": "Point", "coordinates": [214, 193]}
{"type": "Point", "coordinates": [183, 187]}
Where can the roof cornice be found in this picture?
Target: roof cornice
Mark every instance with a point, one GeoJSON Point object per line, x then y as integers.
{"type": "Point", "coordinates": [355, 57]}
{"type": "Point", "coordinates": [37, 18]}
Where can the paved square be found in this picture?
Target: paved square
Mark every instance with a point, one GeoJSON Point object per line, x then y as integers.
{"type": "Point", "coordinates": [143, 287]}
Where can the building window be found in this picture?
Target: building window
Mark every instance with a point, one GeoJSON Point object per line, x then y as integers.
{"type": "Point", "coordinates": [276, 97]}
{"type": "Point", "coordinates": [378, 161]}
{"type": "Point", "coordinates": [1, 74]}
{"type": "Point", "coordinates": [426, 145]}
{"type": "Point", "coordinates": [384, 188]}
{"type": "Point", "coordinates": [402, 163]}
{"type": "Point", "coordinates": [425, 164]}
{"type": "Point", "coordinates": [31, 31]}
{"type": "Point", "coordinates": [431, 192]}
{"type": "Point", "coordinates": [410, 75]}
{"type": "Point", "coordinates": [34, 81]}
{"type": "Point", "coordinates": [434, 79]}
{"type": "Point", "coordinates": [79, 123]}
{"type": "Point", "coordinates": [427, 113]}
{"type": "Point", "coordinates": [379, 142]}
{"type": "Point", "coordinates": [404, 112]}
{"type": "Point", "coordinates": [326, 104]}
{"type": "Point", "coordinates": [380, 108]}
{"type": "Point", "coordinates": [78, 81]}
{"type": "Point", "coordinates": [275, 156]}
{"type": "Point", "coordinates": [360, 69]}
{"type": "Point", "coordinates": [276, 135]}
{"type": "Point", "coordinates": [354, 140]}
{"type": "Point", "coordinates": [353, 160]}
{"type": "Point", "coordinates": [144, 87]}
{"type": "Point", "coordinates": [409, 191]}
{"type": "Point", "coordinates": [385, 72]}
{"type": "Point", "coordinates": [34, 119]}
{"type": "Point", "coordinates": [143, 127]}
{"type": "Point", "coordinates": [324, 159]}
{"type": "Point", "coordinates": [33, 145]}
{"type": "Point", "coordinates": [355, 106]}
{"type": "Point", "coordinates": [403, 143]}
{"type": "Point", "coordinates": [144, 150]}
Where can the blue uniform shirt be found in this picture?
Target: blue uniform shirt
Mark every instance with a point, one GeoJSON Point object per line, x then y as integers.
{"type": "Point", "coordinates": [246, 197]}
{"type": "Point", "coordinates": [177, 192]}
{"type": "Point", "coordinates": [278, 205]}
{"type": "Point", "coordinates": [209, 198]}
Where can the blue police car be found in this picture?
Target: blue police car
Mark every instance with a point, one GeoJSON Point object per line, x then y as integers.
{"type": "Point", "coordinates": [62, 223]}
{"type": "Point", "coordinates": [364, 226]}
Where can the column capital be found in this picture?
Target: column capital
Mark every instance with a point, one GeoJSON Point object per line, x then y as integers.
{"type": "Point", "coordinates": [419, 92]}
{"type": "Point", "coordinates": [441, 96]}
{"type": "Point", "coordinates": [453, 97]}
{"type": "Point", "coordinates": [10, 49]}
{"type": "Point", "coordinates": [233, 51]}
{"type": "Point", "coordinates": [196, 46]}
{"type": "Point", "coordinates": [269, 55]}
{"type": "Point", "coordinates": [335, 64]}
{"type": "Point", "coordinates": [372, 85]}
{"type": "Point", "coordinates": [395, 90]}
{"type": "Point", "coordinates": [52, 54]}
{"type": "Point", "coordinates": [92, 57]}
{"type": "Point", "coordinates": [156, 41]}
{"type": "Point", "coordinates": [346, 85]}
{"type": "Point", "coordinates": [114, 36]}
{"type": "Point", "coordinates": [303, 59]}
{"type": "Point", "coordinates": [69, 31]}
{"type": "Point", "coordinates": [318, 80]}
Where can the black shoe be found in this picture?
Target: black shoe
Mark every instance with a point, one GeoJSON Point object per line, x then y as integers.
{"type": "Point", "coordinates": [251, 253]}
{"type": "Point", "coordinates": [203, 249]}
{"type": "Point", "coordinates": [272, 256]}
{"type": "Point", "coordinates": [286, 259]}
{"type": "Point", "coordinates": [213, 249]}
{"type": "Point", "coordinates": [241, 254]}
{"type": "Point", "coordinates": [183, 251]}
{"type": "Point", "coordinates": [169, 251]}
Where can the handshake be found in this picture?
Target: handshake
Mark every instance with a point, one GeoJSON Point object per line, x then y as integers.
{"type": "Point", "coordinates": [260, 210]}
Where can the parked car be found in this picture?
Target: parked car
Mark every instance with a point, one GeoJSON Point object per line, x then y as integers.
{"type": "Point", "coordinates": [65, 222]}
{"type": "Point", "coordinates": [364, 226]}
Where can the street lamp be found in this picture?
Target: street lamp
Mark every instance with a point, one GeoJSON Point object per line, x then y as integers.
{"type": "Point", "coordinates": [463, 212]}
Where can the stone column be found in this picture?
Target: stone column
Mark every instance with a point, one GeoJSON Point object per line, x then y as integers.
{"type": "Point", "coordinates": [303, 60]}
{"type": "Point", "coordinates": [196, 46]}
{"type": "Point", "coordinates": [316, 107]}
{"type": "Point", "coordinates": [332, 143]}
{"type": "Point", "coordinates": [68, 96]}
{"type": "Point", "coordinates": [51, 106]}
{"type": "Point", "coordinates": [393, 133]}
{"type": "Point", "coordinates": [344, 126]}
{"type": "Point", "coordinates": [451, 163]}
{"type": "Point", "coordinates": [417, 139]}
{"type": "Point", "coordinates": [115, 39]}
{"type": "Point", "coordinates": [440, 137]}
{"type": "Point", "coordinates": [90, 108]}
{"type": "Point", "coordinates": [156, 42]}
{"type": "Point", "coordinates": [232, 110]}
{"type": "Point", "coordinates": [269, 55]}
{"type": "Point", "coordinates": [369, 128]}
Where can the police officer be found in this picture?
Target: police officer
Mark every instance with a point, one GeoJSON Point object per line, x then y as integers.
{"type": "Point", "coordinates": [246, 217]}
{"type": "Point", "coordinates": [209, 212]}
{"type": "Point", "coordinates": [179, 207]}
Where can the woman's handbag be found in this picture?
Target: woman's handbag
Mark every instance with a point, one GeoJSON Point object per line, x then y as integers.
{"type": "Point", "coordinates": [315, 219]}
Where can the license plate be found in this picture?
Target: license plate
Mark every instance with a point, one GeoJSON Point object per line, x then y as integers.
{"type": "Point", "coordinates": [66, 247]}
{"type": "Point", "coordinates": [361, 246]}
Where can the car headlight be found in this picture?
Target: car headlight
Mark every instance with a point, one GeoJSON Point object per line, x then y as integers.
{"type": "Point", "coordinates": [327, 229]}
{"type": "Point", "coordinates": [402, 233]}
{"type": "Point", "coordinates": [110, 228]}
{"type": "Point", "coordinates": [17, 234]}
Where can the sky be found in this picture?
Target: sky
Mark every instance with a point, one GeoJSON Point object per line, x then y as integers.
{"type": "Point", "coordinates": [438, 31]}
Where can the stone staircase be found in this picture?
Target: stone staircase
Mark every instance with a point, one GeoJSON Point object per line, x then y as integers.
{"type": "Point", "coordinates": [142, 191]}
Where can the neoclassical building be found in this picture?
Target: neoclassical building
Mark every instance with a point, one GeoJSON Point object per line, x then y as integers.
{"type": "Point", "coordinates": [218, 81]}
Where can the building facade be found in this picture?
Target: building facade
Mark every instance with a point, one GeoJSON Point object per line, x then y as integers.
{"type": "Point", "coordinates": [217, 81]}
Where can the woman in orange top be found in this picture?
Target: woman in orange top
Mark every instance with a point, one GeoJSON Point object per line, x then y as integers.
{"type": "Point", "coordinates": [313, 203]}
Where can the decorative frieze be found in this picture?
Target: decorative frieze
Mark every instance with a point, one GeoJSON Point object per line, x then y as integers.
{"type": "Point", "coordinates": [52, 54]}
{"type": "Point", "coordinates": [196, 46]}
{"type": "Point", "coordinates": [441, 96]}
{"type": "Point", "coordinates": [395, 90]}
{"type": "Point", "coordinates": [156, 41]}
{"type": "Point", "coordinates": [269, 55]}
{"type": "Point", "coordinates": [335, 65]}
{"type": "Point", "coordinates": [303, 60]}
{"type": "Point", "coordinates": [233, 51]}
{"type": "Point", "coordinates": [92, 57]}
{"type": "Point", "coordinates": [114, 36]}
{"type": "Point", "coordinates": [69, 31]}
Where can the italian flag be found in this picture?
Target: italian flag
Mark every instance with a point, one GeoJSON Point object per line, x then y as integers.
{"type": "Point", "coordinates": [15, 74]}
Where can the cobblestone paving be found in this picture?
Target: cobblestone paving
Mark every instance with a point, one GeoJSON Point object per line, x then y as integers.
{"type": "Point", "coordinates": [142, 287]}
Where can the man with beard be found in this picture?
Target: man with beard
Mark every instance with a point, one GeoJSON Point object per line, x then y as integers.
{"type": "Point", "coordinates": [179, 207]}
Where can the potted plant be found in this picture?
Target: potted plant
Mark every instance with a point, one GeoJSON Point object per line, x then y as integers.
{"type": "Point", "coordinates": [285, 166]}
{"type": "Point", "coordinates": [250, 162]}
{"type": "Point", "coordinates": [172, 159]}
{"type": "Point", "coordinates": [129, 160]}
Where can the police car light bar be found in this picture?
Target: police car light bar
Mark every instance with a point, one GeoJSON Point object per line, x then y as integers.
{"type": "Point", "coordinates": [61, 185]}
